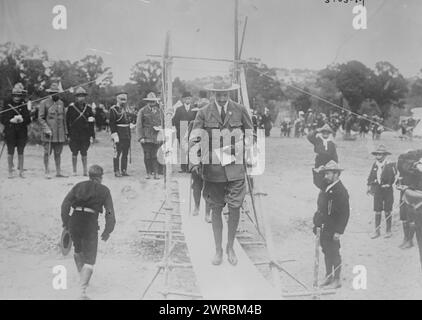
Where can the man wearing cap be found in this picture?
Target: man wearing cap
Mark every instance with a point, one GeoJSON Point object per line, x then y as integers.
{"type": "Point", "coordinates": [79, 121]}
{"type": "Point", "coordinates": [120, 126]}
{"type": "Point", "coordinates": [51, 115]}
{"type": "Point", "coordinates": [216, 125]}
{"type": "Point", "coordinates": [88, 199]}
{"type": "Point", "coordinates": [183, 115]}
{"type": "Point", "coordinates": [149, 123]}
{"type": "Point", "coordinates": [380, 185]}
{"type": "Point", "coordinates": [15, 118]}
{"type": "Point", "coordinates": [325, 150]}
{"type": "Point", "coordinates": [332, 217]}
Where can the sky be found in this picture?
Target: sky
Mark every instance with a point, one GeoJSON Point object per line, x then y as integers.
{"type": "Point", "coordinates": [282, 33]}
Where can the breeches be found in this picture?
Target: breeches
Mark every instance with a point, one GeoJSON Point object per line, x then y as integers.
{"type": "Point", "coordinates": [84, 232]}
{"type": "Point", "coordinates": [217, 194]}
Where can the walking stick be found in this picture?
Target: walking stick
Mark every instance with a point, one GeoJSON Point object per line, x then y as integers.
{"type": "Point", "coordinates": [190, 195]}
{"type": "Point", "coordinates": [316, 262]}
{"type": "Point", "coordinates": [2, 148]}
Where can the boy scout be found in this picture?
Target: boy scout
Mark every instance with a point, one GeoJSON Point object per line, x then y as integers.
{"type": "Point", "coordinates": [87, 198]}
{"type": "Point", "coordinates": [223, 182]}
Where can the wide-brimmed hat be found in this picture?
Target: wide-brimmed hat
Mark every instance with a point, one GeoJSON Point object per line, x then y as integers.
{"type": "Point", "coordinates": [151, 97]}
{"type": "Point", "coordinates": [331, 166]}
{"type": "Point", "coordinates": [54, 87]}
{"type": "Point", "coordinates": [381, 150]}
{"type": "Point", "coordinates": [80, 92]}
{"type": "Point", "coordinates": [186, 94]}
{"type": "Point", "coordinates": [65, 242]}
{"type": "Point", "coordinates": [18, 89]}
{"type": "Point", "coordinates": [221, 85]}
{"type": "Point", "coordinates": [325, 128]}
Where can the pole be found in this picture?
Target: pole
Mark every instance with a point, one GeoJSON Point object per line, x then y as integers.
{"type": "Point", "coordinates": [316, 262]}
{"type": "Point", "coordinates": [2, 148]}
{"type": "Point", "coordinates": [243, 37]}
{"type": "Point", "coordinates": [236, 41]}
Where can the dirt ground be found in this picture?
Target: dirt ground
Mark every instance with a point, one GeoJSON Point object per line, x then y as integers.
{"type": "Point", "coordinates": [30, 227]}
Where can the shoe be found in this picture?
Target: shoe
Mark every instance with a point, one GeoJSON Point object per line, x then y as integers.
{"type": "Point", "coordinates": [148, 176]}
{"type": "Point", "coordinates": [408, 245]}
{"type": "Point", "coordinates": [21, 175]}
{"type": "Point", "coordinates": [218, 258]}
{"type": "Point", "coordinates": [48, 176]}
{"type": "Point", "coordinates": [231, 256]}
{"type": "Point", "coordinates": [156, 176]}
{"type": "Point", "coordinates": [388, 235]}
{"type": "Point", "coordinates": [59, 175]}
{"type": "Point", "coordinates": [375, 235]}
{"type": "Point", "coordinates": [195, 211]}
{"type": "Point", "coordinates": [117, 174]}
{"type": "Point", "coordinates": [124, 173]}
{"type": "Point", "coordinates": [336, 284]}
{"type": "Point", "coordinates": [328, 280]}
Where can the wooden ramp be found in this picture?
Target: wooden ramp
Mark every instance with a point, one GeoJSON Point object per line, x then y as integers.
{"type": "Point", "coordinates": [226, 282]}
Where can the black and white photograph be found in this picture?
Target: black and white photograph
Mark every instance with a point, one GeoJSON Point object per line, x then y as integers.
{"type": "Point", "coordinates": [223, 152]}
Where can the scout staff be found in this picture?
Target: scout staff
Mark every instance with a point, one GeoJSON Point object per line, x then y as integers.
{"type": "Point", "coordinates": [380, 185]}
{"type": "Point", "coordinates": [51, 115]}
{"type": "Point", "coordinates": [224, 182]}
{"type": "Point", "coordinates": [120, 126]}
{"type": "Point", "coordinates": [332, 217]}
{"type": "Point", "coordinates": [148, 125]}
{"type": "Point", "coordinates": [80, 120]}
{"type": "Point", "coordinates": [88, 199]}
{"type": "Point", "coordinates": [16, 119]}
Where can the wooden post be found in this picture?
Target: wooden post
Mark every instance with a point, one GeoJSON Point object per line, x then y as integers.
{"type": "Point", "coordinates": [236, 41]}
{"type": "Point", "coordinates": [316, 263]}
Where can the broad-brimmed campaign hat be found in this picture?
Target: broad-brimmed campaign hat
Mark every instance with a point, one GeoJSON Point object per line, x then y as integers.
{"type": "Point", "coordinates": [325, 128]}
{"type": "Point", "coordinates": [65, 242]}
{"type": "Point", "coordinates": [381, 150]}
{"type": "Point", "coordinates": [54, 87]}
{"type": "Point", "coordinates": [80, 92]}
{"type": "Point", "coordinates": [221, 85]}
{"type": "Point", "coordinates": [18, 90]}
{"type": "Point", "coordinates": [331, 166]}
{"type": "Point", "coordinates": [151, 97]}
{"type": "Point", "coordinates": [186, 94]}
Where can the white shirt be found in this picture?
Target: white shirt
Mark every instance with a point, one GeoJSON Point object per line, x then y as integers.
{"type": "Point", "coordinates": [219, 107]}
{"type": "Point", "coordinates": [380, 166]}
{"type": "Point", "coordinates": [187, 107]}
{"type": "Point", "coordinates": [331, 185]}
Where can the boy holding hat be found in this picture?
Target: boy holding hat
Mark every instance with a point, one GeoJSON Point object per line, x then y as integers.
{"type": "Point", "coordinates": [79, 121]}
{"type": "Point", "coordinates": [16, 118]}
{"type": "Point", "coordinates": [380, 185]}
{"type": "Point", "coordinates": [51, 115]}
{"type": "Point", "coordinates": [332, 217]}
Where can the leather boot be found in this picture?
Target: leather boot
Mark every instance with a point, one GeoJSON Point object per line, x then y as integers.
{"type": "Point", "coordinates": [85, 274]}
{"type": "Point", "coordinates": [405, 234]}
{"type": "Point", "coordinates": [75, 165]}
{"type": "Point", "coordinates": [377, 231]}
{"type": "Point", "coordinates": [78, 261]}
{"type": "Point", "coordinates": [10, 165]}
{"type": "Point", "coordinates": [20, 166]}
{"type": "Point", "coordinates": [85, 165]}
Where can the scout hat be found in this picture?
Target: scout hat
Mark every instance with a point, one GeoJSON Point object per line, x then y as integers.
{"type": "Point", "coordinates": [325, 128]}
{"type": "Point", "coordinates": [54, 87]}
{"type": "Point", "coordinates": [151, 97]}
{"type": "Point", "coordinates": [381, 150]}
{"type": "Point", "coordinates": [331, 166]}
{"type": "Point", "coordinates": [80, 92]}
{"type": "Point", "coordinates": [221, 85]}
{"type": "Point", "coordinates": [65, 242]}
{"type": "Point", "coordinates": [186, 94]}
{"type": "Point", "coordinates": [18, 89]}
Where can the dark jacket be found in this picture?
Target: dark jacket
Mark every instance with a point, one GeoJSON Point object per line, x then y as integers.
{"type": "Point", "coordinates": [182, 115]}
{"type": "Point", "coordinates": [388, 175]}
{"type": "Point", "coordinates": [15, 131]}
{"type": "Point", "coordinates": [333, 209]}
{"type": "Point", "coordinates": [209, 119]}
{"type": "Point", "coordinates": [323, 156]}
{"type": "Point", "coordinates": [77, 116]}
{"type": "Point", "coordinates": [148, 118]}
{"type": "Point", "coordinates": [92, 195]}
{"type": "Point", "coordinates": [120, 121]}
{"type": "Point", "coordinates": [409, 175]}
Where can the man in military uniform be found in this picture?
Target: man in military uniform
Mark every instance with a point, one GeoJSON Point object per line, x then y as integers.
{"type": "Point", "coordinates": [219, 122]}
{"type": "Point", "coordinates": [332, 217]}
{"type": "Point", "coordinates": [381, 179]}
{"type": "Point", "coordinates": [120, 126]}
{"type": "Point", "coordinates": [148, 125]}
{"type": "Point", "coordinates": [16, 118]}
{"type": "Point", "coordinates": [51, 115]}
{"type": "Point", "coordinates": [88, 199]}
{"type": "Point", "coordinates": [79, 120]}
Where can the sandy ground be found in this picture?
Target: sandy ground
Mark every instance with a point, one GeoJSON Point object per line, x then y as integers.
{"type": "Point", "coordinates": [30, 227]}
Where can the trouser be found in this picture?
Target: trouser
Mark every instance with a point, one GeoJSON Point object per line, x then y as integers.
{"type": "Point", "coordinates": [83, 229]}
{"type": "Point", "coordinates": [150, 157]}
{"type": "Point", "coordinates": [121, 152]}
{"type": "Point", "coordinates": [18, 144]}
{"type": "Point", "coordinates": [79, 145]}
{"type": "Point", "coordinates": [331, 250]}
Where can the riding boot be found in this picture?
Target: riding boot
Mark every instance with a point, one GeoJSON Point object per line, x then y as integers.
{"type": "Point", "coordinates": [377, 232]}
{"type": "Point", "coordinates": [20, 165]}
{"type": "Point", "coordinates": [85, 274]}
{"type": "Point", "coordinates": [74, 164]}
{"type": "Point", "coordinates": [85, 165]}
{"type": "Point", "coordinates": [10, 165]}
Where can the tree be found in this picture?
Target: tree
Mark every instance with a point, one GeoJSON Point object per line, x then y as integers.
{"type": "Point", "coordinates": [261, 83]}
{"type": "Point", "coordinates": [302, 102]}
{"type": "Point", "coordinates": [147, 75]}
{"type": "Point", "coordinates": [179, 87]}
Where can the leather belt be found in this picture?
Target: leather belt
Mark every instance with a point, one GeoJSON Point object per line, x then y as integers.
{"type": "Point", "coordinates": [83, 209]}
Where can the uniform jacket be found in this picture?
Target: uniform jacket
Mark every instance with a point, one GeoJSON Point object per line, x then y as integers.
{"type": "Point", "coordinates": [209, 119]}
{"type": "Point", "coordinates": [52, 115]}
{"type": "Point", "coordinates": [388, 175]}
{"type": "Point", "coordinates": [92, 195]}
{"type": "Point", "coordinates": [182, 115]}
{"type": "Point", "coordinates": [120, 122]}
{"type": "Point", "coordinates": [148, 118]}
{"type": "Point", "coordinates": [323, 155]}
{"type": "Point", "coordinates": [409, 175]}
{"type": "Point", "coordinates": [15, 130]}
{"type": "Point", "coordinates": [77, 121]}
{"type": "Point", "coordinates": [333, 208]}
